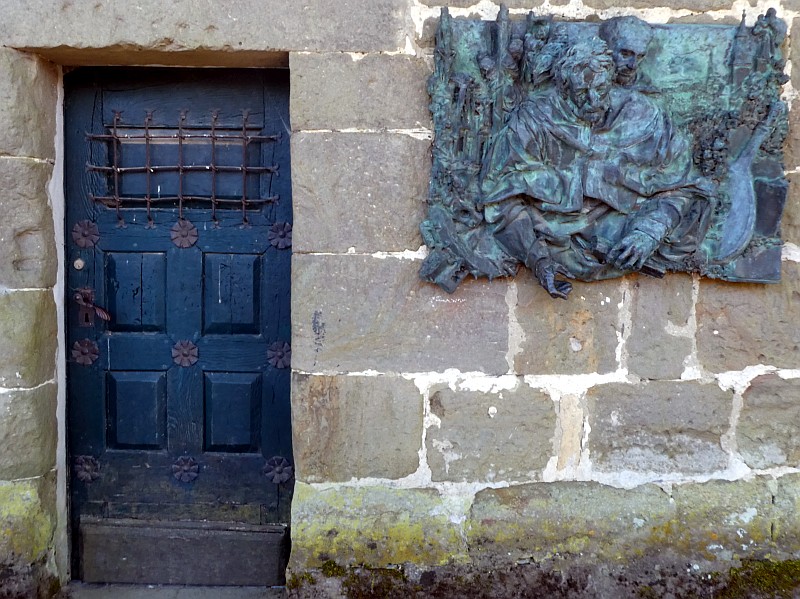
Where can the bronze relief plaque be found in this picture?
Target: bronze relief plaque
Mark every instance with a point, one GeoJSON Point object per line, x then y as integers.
{"type": "Point", "coordinates": [590, 150]}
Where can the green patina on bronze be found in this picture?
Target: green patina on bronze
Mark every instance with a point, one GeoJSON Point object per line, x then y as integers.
{"type": "Point", "coordinates": [589, 151]}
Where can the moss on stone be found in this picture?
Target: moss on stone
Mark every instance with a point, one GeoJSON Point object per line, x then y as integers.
{"type": "Point", "coordinates": [331, 568]}
{"type": "Point", "coordinates": [374, 526]}
{"type": "Point", "coordinates": [365, 583]}
{"type": "Point", "coordinates": [299, 580]}
{"type": "Point", "coordinates": [26, 524]}
{"type": "Point", "coordinates": [756, 578]}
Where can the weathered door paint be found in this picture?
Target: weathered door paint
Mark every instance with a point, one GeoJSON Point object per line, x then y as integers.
{"type": "Point", "coordinates": [178, 403]}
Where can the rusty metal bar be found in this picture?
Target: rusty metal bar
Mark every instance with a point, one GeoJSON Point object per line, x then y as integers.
{"type": "Point", "coordinates": [180, 164]}
{"type": "Point", "coordinates": [110, 200]}
{"type": "Point", "coordinates": [148, 134]}
{"type": "Point", "coordinates": [117, 206]}
{"type": "Point", "coordinates": [147, 120]}
{"type": "Point", "coordinates": [237, 137]}
{"type": "Point", "coordinates": [245, 142]}
{"type": "Point", "coordinates": [157, 168]}
{"type": "Point", "coordinates": [213, 165]}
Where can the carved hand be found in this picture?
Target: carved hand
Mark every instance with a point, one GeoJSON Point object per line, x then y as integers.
{"type": "Point", "coordinates": [632, 251]}
{"type": "Point", "coordinates": [546, 271]}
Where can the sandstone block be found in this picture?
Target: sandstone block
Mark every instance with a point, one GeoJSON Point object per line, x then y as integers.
{"type": "Point", "coordinates": [790, 221]}
{"type": "Point", "coordinates": [355, 426]}
{"type": "Point", "coordinates": [28, 432]}
{"type": "Point", "coordinates": [792, 147]}
{"type": "Point", "coordinates": [26, 230]}
{"type": "Point", "coordinates": [740, 324]}
{"type": "Point", "coordinates": [179, 27]}
{"type": "Point", "coordinates": [336, 91]}
{"type": "Point", "coordinates": [786, 516]}
{"type": "Point", "coordinates": [28, 93]}
{"type": "Point", "coordinates": [694, 5]}
{"type": "Point", "coordinates": [540, 520]}
{"type": "Point", "coordinates": [704, 19]}
{"type": "Point", "coordinates": [794, 51]}
{"type": "Point", "coordinates": [503, 436]}
{"type": "Point", "coordinates": [567, 337]}
{"type": "Point", "coordinates": [659, 307]}
{"type": "Point", "coordinates": [27, 519]}
{"type": "Point", "coordinates": [658, 427]}
{"type": "Point", "coordinates": [27, 338]}
{"type": "Point", "coordinates": [509, 3]}
{"type": "Point", "coordinates": [722, 519]}
{"type": "Point", "coordinates": [361, 190]}
{"type": "Point", "coordinates": [373, 526]}
{"type": "Point", "coordinates": [768, 432]}
{"type": "Point", "coordinates": [356, 313]}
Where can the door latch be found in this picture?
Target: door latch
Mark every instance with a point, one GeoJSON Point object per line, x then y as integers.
{"type": "Point", "coordinates": [84, 297]}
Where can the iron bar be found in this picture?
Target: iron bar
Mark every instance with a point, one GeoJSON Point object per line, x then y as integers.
{"type": "Point", "coordinates": [213, 166]}
{"type": "Point", "coordinates": [125, 170]}
{"type": "Point", "coordinates": [245, 143]}
{"type": "Point", "coordinates": [116, 166]}
{"type": "Point", "coordinates": [148, 170]}
{"type": "Point", "coordinates": [111, 200]}
{"type": "Point", "coordinates": [180, 164]}
{"type": "Point", "coordinates": [121, 136]}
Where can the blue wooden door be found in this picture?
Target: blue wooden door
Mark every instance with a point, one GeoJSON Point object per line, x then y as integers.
{"type": "Point", "coordinates": [178, 247]}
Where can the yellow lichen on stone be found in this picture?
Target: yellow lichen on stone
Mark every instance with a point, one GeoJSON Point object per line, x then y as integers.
{"type": "Point", "coordinates": [371, 525]}
{"type": "Point", "coordinates": [26, 523]}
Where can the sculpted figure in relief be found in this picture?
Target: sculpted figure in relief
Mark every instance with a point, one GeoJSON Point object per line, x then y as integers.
{"type": "Point", "coordinates": [576, 169]}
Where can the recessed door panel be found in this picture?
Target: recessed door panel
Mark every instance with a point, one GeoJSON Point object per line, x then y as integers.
{"type": "Point", "coordinates": [136, 290]}
{"type": "Point", "coordinates": [233, 411]}
{"type": "Point", "coordinates": [137, 410]}
{"type": "Point", "coordinates": [232, 292]}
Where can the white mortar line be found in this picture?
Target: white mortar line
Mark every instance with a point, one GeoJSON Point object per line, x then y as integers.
{"type": "Point", "coordinates": [728, 440]}
{"type": "Point", "coordinates": [624, 324]}
{"type": "Point", "coordinates": [419, 254]}
{"type": "Point", "coordinates": [622, 479]}
{"type": "Point", "coordinates": [790, 252]}
{"type": "Point", "coordinates": [576, 10]}
{"type": "Point", "coordinates": [692, 369]}
{"type": "Point", "coordinates": [739, 380]}
{"type": "Point", "coordinates": [429, 419]}
{"type": "Point", "coordinates": [24, 480]}
{"type": "Point", "coordinates": [7, 291]}
{"type": "Point", "coordinates": [423, 133]}
{"type": "Point", "coordinates": [516, 334]}
{"type": "Point", "coordinates": [4, 390]}
{"type": "Point", "coordinates": [48, 161]}
{"type": "Point", "coordinates": [569, 433]}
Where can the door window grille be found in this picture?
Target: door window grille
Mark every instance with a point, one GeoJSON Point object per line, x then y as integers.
{"type": "Point", "coordinates": [218, 165]}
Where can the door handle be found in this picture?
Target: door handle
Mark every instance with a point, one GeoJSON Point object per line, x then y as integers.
{"type": "Point", "coordinates": [87, 309]}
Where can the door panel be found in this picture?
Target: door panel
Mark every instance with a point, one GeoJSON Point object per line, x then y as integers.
{"type": "Point", "coordinates": [178, 247]}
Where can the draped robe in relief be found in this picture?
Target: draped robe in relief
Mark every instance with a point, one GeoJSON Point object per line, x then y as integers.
{"type": "Point", "coordinates": [584, 188]}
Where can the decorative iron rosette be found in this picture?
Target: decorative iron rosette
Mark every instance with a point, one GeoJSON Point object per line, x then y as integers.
{"type": "Point", "coordinates": [86, 467]}
{"type": "Point", "coordinates": [85, 352]}
{"type": "Point", "coordinates": [185, 469]}
{"type": "Point", "coordinates": [279, 354]}
{"type": "Point", "coordinates": [278, 470]}
{"type": "Point", "coordinates": [280, 235]}
{"type": "Point", "coordinates": [85, 234]}
{"type": "Point", "coordinates": [185, 353]}
{"type": "Point", "coordinates": [183, 234]}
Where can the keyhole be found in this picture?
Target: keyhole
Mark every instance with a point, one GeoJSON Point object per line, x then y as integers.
{"type": "Point", "coordinates": [86, 318]}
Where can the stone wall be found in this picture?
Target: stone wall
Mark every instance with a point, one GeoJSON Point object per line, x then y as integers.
{"type": "Point", "coordinates": [494, 426]}
{"type": "Point", "coordinates": [497, 426]}
{"type": "Point", "coordinates": [28, 341]}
